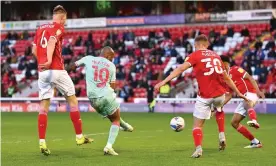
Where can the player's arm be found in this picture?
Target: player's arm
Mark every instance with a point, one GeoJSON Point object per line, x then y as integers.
{"type": "Point", "coordinates": [228, 97]}
{"type": "Point", "coordinates": [231, 84]}
{"type": "Point", "coordinates": [254, 83]}
{"type": "Point", "coordinates": [113, 78]}
{"type": "Point", "coordinates": [113, 85]}
{"type": "Point", "coordinates": [80, 62]}
{"type": "Point", "coordinates": [179, 70]}
{"type": "Point", "coordinates": [50, 50]}
{"type": "Point", "coordinates": [34, 50]}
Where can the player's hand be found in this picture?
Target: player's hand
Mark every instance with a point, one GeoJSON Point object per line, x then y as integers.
{"type": "Point", "coordinates": [261, 94]}
{"type": "Point", "coordinates": [243, 97]}
{"type": "Point", "coordinates": [213, 112]}
{"type": "Point", "coordinates": [158, 86]}
{"type": "Point", "coordinates": [45, 66]}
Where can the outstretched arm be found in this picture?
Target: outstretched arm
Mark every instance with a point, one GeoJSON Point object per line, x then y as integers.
{"type": "Point", "coordinates": [231, 84]}
{"type": "Point", "coordinates": [228, 97]}
{"type": "Point", "coordinates": [255, 85]}
{"type": "Point", "coordinates": [174, 74]}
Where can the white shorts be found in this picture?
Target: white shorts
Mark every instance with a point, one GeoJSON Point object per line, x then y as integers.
{"type": "Point", "coordinates": [50, 79]}
{"type": "Point", "coordinates": [242, 107]}
{"type": "Point", "coordinates": [203, 106]}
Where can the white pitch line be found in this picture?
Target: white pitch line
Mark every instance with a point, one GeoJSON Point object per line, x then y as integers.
{"type": "Point", "coordinates": [149, 136]}
{"type": "Point", "coordinates": [14, 142]}
{"type": "Point", "coordinates": [98, 134]}
{"type": "Point", "coordinates": [92, 134]}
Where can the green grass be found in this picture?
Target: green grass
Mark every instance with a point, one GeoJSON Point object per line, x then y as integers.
{"type": "Point", "coordinates": [152, 143]}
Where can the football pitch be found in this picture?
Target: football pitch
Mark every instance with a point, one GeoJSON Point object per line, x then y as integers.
{"type": "Point", "coordinates": [152, 142]}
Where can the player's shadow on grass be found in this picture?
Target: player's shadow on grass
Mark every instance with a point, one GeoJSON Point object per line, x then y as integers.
{"type": "Point", "coordinates": [207, 151]}
{"type": "Point", "coordinates": [211, 150]}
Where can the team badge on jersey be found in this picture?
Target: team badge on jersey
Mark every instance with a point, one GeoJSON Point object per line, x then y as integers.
{"type": "Point", "coordinates": [240, 70]}
{"type": "Point", "coordinates": [58, 32]}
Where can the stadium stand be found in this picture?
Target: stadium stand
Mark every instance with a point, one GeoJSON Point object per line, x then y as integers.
{"type": "Point", "coordinates": [144, 53]}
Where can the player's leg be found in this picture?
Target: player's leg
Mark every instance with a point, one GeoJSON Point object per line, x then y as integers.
{"type": "Point", "coordinates": [238, 116]}
{"type": "Point", "coordinates": [113, 132]}
{"type": "Point", "coordinates": [149, 108]}
{"type": "Point", "coordinates": [250, 110]}
{"type": "Point", "coordinates": [76, 120]}
{"type": "Point", "coordinates": [218, 103]}
{"type": "Point", "coordinates": [65, 85]}
{"type": "Point", "coordinates": [202, 111]}
{"type": "Point", "coordinates": [152, 105]}
{"type": "Point", "coordinates": [46, 91]}
{"type": "Point", "coordinates": [42, 125]}
{"type": "Point", "coordinates": [198, 136]}
{"type": "Point", "coordinates": [125, 126]}
{"type": "Point", "coordinates": [109, 107]}
{"type": "Point", "coordinates": [220, 122]}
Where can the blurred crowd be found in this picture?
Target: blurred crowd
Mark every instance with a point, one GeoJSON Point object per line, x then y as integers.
{"type": "Point", "coordinates": [13, 11]}
{"type": "Point", "coordinates": [11, 63]}
{"type": "Point", "coordinates": [135, 58]}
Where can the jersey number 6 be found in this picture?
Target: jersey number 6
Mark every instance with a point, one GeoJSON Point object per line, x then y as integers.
{"type": "Point", "coordinates": [101, 75]}
{"type": "Point", "coordinates": [43, 41]}
{"type": "Point", "coordinates": [214, 65]}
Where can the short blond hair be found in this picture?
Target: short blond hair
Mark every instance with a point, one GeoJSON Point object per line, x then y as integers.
{"type": "Point", "coordinates": [59, 10]}
{"type": "Point", "coordinates": [202, 39]}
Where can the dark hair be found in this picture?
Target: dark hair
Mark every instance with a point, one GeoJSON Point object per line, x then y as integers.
{"type": "Point", "coordinates": [225, 59]}
{"type": "Point", "coordinates": [59, 10]}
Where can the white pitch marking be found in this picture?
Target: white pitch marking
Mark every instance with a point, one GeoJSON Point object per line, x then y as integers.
{"type": "Point", "coordinates": [140, 137]}
{"type": "Point", "coordinates": [93, 134]}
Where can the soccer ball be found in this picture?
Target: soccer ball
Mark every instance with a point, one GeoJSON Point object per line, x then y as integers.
{"type": "Point", "coordinates": [177, 124]}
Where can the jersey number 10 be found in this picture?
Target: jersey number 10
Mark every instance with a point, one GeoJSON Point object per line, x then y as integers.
{"type": "Point", "coordinates": [213, 65]}
{"type": "Point", "coordinates": [101, 76]}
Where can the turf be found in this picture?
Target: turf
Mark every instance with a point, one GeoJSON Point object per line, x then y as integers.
{"type": "Point", "coordinates": [152, 142]}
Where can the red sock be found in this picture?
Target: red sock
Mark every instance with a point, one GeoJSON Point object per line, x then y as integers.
{"type": "Point", "coordinates": [246, 133]}
{"type": "Point", "coordinates": [197, 134]}
{"type": "Point", "coordinates": [220, 120]}
{"type": "Point", "coordinates": [42, 125]}
{"type": "Point", "coordinates": [75, 117]}
{"type": "Point", "coordinates": [252, 114]}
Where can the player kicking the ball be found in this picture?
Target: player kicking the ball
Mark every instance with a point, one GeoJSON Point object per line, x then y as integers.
{"type": "Point", "coordinates": [247, 86]}
{"type": "Point", "coordinates": [211, 76]}
{"type": "Point", "coordinates": [47, 49]}
{"type": "Point", "coordinates": [100, 81]}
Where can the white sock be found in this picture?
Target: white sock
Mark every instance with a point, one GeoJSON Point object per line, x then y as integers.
{"type": "Point", "coordinates": [255, 141]}
{"type": "Point", "coordinates": [79, 136]}
{"type": "Point", "coordinates": [108, 145]}
{"type": "Point", "coordinates": [41, 140]}
{"type": "Point", "coordinates": [221, 136]}
{"type": "Point", "coordinates": [199, 147]}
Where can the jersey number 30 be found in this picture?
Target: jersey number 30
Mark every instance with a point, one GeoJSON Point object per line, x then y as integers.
{"type": "Point", "coordinates": [101, 76]}
{"type": "Point", "coordinates": [213, 65]}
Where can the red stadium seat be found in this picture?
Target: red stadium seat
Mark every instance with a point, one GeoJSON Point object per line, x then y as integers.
{"type": "Point", "coordinates": [256, 29]}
